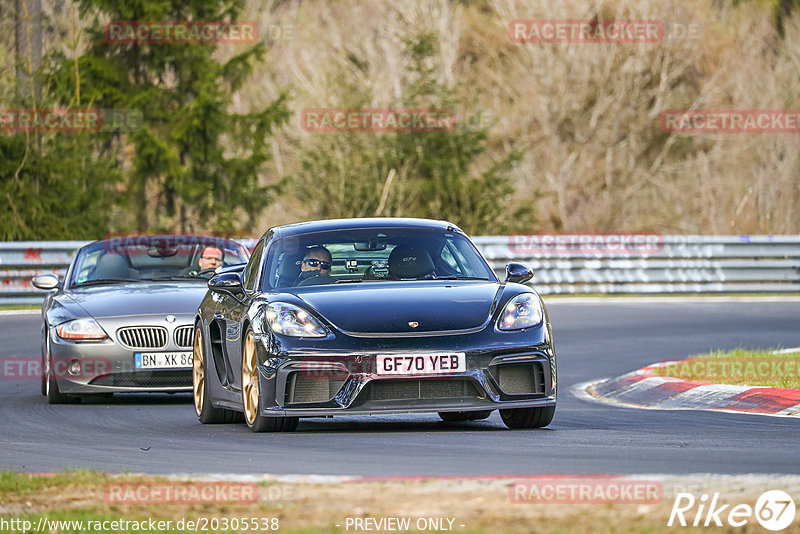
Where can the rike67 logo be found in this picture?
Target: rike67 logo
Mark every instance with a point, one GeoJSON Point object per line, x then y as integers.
{"type": "Point", "coordinates": [774, 510]}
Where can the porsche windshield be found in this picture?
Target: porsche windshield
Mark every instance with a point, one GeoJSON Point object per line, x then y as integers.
{"type": "Point", "coordinates": [170, 257]}
{"type": "Point", "coordinates": [372, 255]}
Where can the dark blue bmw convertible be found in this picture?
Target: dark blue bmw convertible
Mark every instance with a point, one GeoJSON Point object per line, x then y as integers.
{"type": "Point", "coordinates": [369, 316]}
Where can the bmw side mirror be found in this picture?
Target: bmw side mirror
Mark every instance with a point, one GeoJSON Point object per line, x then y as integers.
{"type": "Point", "coordinates": [229, 282]}
{"type": "Point", "coordinates": [45, 281]}
{"type": "Point", "coordinates": [518, 273]}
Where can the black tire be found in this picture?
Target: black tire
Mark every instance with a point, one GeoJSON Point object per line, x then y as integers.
{"type": "Point", "coordinates": [44, 376]}
{"type": "Point", "coordinates": [206, 413]}
{"type": "Point", "coordinates": [45, 352]}
{"type": "Point", "coordinates": [251, 397]}
{"type": "Point", "coordinates": [54, 395]}
{"type": "Point", "coordinates": [458, 417]}
{"type": "Point", "coordinates": [528, 417]}
{"type": "Point", "coordinates": [99, 396]}
{"type": "Point", "coordinates": [274, 424]}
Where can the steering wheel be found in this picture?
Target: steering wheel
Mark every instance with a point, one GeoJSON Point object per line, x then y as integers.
{"type": "Point", "coordinates": [313, 279]}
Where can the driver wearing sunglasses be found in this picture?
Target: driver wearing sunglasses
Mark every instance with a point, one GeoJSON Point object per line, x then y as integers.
{"type": "Point", "coordinates": [316, 267]}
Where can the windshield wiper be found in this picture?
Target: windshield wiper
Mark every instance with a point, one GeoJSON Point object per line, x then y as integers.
{"type": "Point", "coordinates": [104, 281]}
{"type": "Point", "coordinates": [461, 278]}
{"type": "Point", "coordinates": [349, 281]}
{"type": "Point", "coordinates": [177, 277]}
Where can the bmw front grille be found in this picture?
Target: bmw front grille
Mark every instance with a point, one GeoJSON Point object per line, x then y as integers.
{"type": "Point", "coordinates": [143, 337]}
{"type": "Point", "coordinates": [184, 336]}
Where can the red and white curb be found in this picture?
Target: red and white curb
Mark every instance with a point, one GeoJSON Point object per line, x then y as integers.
{"type": "Point", "coordinates": [643, 388]}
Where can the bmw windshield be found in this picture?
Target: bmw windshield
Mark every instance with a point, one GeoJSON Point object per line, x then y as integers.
{"type": "Point", "coordinates": [149, 258]}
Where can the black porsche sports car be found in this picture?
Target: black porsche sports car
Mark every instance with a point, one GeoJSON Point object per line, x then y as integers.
{"type": "Point", "coordinates": [365, 316]}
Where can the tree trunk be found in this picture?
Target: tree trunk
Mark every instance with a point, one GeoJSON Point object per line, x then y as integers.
{"type": "Point", "coordinates": [28, 46]}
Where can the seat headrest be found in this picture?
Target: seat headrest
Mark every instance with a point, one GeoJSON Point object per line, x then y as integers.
{"type": "Point", "coordinates": [409, 262]}
{"type": "Point", "coordinates": [289, 266]}
{"type": "Point", "coordinates": [111, 265]}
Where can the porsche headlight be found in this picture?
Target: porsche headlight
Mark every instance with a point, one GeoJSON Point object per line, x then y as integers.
{"type": "Point", "coordinates": [81, 330]}
{"type": "Point", "coordinates": [521, 312]}
{"type": "Point", "coordinates": [290, 320]}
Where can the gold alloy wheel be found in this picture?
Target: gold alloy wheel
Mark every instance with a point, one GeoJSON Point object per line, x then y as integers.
{"type": "Point", "coordinates": [249, 379]}
{"type": "Point", "coordinates": [198, 372]}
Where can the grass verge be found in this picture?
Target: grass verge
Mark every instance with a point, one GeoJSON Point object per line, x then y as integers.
{"type": "Point", "coordinates": [13, 484]}
{"type": "Point", "coordinates": [11, 307]}
{"type": "Point", "coordinates": [460, 505]}
{"type": "Point", "coordinates": [739, 367]}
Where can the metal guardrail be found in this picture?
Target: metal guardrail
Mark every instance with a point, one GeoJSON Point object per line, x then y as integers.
{"type": "Point", "coordinates": [22, 260]}
{"type": "Point", "coordinates": [563, 264]}
{"type": "Point", "coordinates": [660, 264]}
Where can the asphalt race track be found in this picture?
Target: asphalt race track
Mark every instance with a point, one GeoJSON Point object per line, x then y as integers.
{"type": "Point", "coordinates": [160, 433]}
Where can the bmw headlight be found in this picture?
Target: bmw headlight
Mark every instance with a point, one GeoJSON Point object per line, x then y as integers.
{"type": "Point", "coordinates": [81, 330]}
{"type": "Point", "coordinates": [521, 312]}
{"type": "Point", "coordinates": [290, 320]}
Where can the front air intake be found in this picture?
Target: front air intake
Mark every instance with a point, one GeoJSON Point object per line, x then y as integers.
{"type": "Point", "coordinates": [520, 378]}
{"type": "Point", "coordinates": [311, 389]}
{"type": "Point", "coordinates": [410, 389]}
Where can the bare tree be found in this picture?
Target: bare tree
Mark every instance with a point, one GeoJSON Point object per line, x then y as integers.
{"type": "Point", "coordinates": [28, 46]}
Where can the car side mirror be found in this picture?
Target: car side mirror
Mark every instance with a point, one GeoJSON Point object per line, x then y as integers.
{"type": "Point", "coordinates": [229, 282]}
{"type": "Point", "coordinates": [235, 268]}
{"type": "Point", "coordinates": [518, 273]}
{"type": "Point", "coordinates": [45, 281]}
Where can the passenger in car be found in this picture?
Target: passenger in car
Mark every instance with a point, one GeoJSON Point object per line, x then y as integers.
{"type": "Point", "coordinates": [211, 258]}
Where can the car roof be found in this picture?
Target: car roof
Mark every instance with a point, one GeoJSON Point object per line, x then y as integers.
{"type": "Point", "coordinates": [359, 223]}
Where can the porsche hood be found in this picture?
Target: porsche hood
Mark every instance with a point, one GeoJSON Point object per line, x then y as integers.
{"type": "Point", "coordinates": [400, 307]}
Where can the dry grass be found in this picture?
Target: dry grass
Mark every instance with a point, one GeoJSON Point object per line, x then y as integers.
{"type": "Point", "coordinates": [584, 115]}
